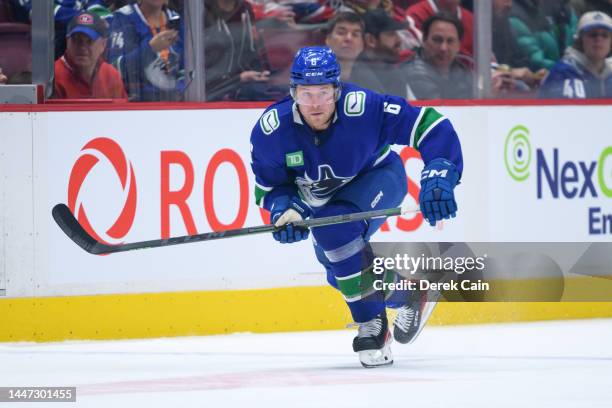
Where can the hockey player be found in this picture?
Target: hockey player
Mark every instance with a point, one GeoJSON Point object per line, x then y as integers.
{"type": "Point", "coordinates": [326, 151]}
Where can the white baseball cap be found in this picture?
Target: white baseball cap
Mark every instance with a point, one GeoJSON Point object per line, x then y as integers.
{"type": "Point", "coordinates": [594, 19]}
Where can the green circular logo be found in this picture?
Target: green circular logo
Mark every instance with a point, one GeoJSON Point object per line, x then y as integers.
{"type": "Point", "coordinates": [517, 153]}
{"type": "Point", "coordinates": [602, 171]}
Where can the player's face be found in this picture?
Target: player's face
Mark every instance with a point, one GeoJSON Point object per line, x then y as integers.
{"type": "Point", "coordinates": [442, 44]}
{"type": "Point", "coordinates": [84, 52]}
{"type": "Point", "coordinates": [346, 40]}
{"type": "Point", "coordinates": [317, 104]}
{"type": "Point", "coordinates": [596, 44]}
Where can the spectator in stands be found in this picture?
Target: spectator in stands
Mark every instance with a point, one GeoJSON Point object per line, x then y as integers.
{"type": "Point", "coordinates": [65, 10]}
{"type": "Point", "coordinates": [542, 37]}
{"type": "Point", "coordinates": [236, 68]}
{"type": "Point", "coordinates": [427, 8]}
{"type": "Point", "coordinates": [146, 46]}
{"type": "Point", "coordinates": [586, 69]}
{"type": "Point", "coordinates": [82, 73]}
{"type": "Point", "coordinates": [20, 10]}
{"type": "Point", "coordinates": [378, 68]}
{"type": "Point", "coordinates": [435, 72]}
{"type": "Point", "coordinates": [506, 48]}
{"type": "Point", "coordinates": [344, 35]}
{"type": "Point", "coordinates": [3, 78]}
{"type": "Point", "coordinates": [362, 6]}
{"type": "Point", "coordinates": [291, 12]}
{"type": "Point", "coordinates": [410, 35]}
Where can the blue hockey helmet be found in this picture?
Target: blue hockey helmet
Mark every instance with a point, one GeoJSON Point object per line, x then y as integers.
{"type": "Point", "coordinates": [315, 66]}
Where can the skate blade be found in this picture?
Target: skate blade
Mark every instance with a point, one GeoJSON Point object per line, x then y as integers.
{"type": "Point", "coordinates": [427, 311]}
{"type": "Point", "coordinates": [376, 358]}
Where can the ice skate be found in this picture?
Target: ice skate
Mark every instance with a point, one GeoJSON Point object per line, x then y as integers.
{"type": "Point", "coordinates": [373, 342]}
{"type": "Point", "coordinates": [412, 317]}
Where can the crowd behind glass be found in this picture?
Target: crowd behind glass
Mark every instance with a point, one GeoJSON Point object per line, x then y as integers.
{"type": "Point", "coordinates": [417, 49]}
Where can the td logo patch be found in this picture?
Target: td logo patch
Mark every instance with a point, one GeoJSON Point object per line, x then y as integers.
{"type": "Point", "coordinates": [294, 159]}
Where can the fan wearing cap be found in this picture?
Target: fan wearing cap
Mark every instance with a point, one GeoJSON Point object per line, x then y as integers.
{"type": "Point", "coordinates": [377, 68]}
{"type": "Point", "coordinates": [585, 71]}
{"type": "Point", "coordinates": [81, 73]}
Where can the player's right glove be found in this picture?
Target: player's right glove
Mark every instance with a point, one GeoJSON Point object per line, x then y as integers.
{"type": "Point", "coordinates": [437, 198]}
{"type": "Point", "coordinates": [285, 211]}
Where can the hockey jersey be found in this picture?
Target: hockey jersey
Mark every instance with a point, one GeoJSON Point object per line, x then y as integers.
{"type": "Point", "coordinates": [289, 158]}
{"type": "Point", "coordinates": [570, 78]}
{"type": "Point", "coordinates": [147, 76]}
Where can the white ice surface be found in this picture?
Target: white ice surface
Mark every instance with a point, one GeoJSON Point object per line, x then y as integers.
{"type": "Point", "coordinates": [552, 364]}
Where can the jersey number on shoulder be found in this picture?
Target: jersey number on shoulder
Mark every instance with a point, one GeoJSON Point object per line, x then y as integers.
{"type": "Point", "coordinates": [392, 108]}
{"type": "Point", "coordinates": [354, 103]}
{"type": "Point", "coordinates": [269, 122]}
{"type": "Point", "coordinates": [573, 88]}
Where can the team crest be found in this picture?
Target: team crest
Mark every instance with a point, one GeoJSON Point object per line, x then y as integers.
{"type": "Point", "coordinates": [269, 121]}
{"type": "Point", "coordinates": [354, 103]}
{"type": "Point", "coordinates": [318, 192]}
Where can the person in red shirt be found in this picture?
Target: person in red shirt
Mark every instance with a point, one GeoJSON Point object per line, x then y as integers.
{"type": "Point", "coordinates": [427, 8]}
{"type": "Point", "coordinates": [82, 73]}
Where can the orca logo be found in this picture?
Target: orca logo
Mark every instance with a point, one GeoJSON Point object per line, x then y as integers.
{"type": "Point", "coordinates": [95, 151]}
{"type": "Point", "coordinates": [318, 192]}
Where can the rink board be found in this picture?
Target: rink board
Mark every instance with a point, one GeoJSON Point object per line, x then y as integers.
{"type": "Point", "coordinates": [159, 173]}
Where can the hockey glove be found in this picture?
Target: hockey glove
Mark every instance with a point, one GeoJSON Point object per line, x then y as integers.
{"type": "Point", "coordinates": [285, 211]}
{"type": "Point", "coordinates": [437, 199]}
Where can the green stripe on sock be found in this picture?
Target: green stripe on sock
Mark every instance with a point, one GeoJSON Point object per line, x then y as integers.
{"type": "Point", "coordinates": [429, 117]}
{"type": "Point", "coordinates": [360, 284]}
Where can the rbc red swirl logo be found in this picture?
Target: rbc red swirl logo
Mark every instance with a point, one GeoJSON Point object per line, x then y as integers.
{"type": "Point", "coordinates": [91, 154]}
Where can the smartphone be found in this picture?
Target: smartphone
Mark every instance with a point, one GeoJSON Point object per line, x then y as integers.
{"type": "Point", "coordinates": [174, 24]}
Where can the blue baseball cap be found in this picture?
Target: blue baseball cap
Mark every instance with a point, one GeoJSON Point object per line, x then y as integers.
{"type": "Point", "coordinates": [89, 24]}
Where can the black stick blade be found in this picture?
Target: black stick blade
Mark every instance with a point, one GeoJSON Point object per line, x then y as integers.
{"type": "Point", "coordinates": [71, 227]}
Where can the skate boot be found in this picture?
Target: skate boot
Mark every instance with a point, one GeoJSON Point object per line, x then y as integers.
{"type": "Point", "coordinates": [373, 342]}
{"type": "Point", "coordinates": [412, 317]}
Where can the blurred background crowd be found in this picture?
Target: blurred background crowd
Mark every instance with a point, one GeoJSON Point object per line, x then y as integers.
{"type": "Point", "coordinates": [417, 49]}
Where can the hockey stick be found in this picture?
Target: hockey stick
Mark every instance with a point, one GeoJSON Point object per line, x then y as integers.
{"type": "Point", "coordinates": [71, 227]}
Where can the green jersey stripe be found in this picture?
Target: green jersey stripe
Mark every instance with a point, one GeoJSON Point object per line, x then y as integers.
{"type": "Point", "coordinates": [260, 193]}
{"type": "Point", "coordinates": [429, 129]}
{"type": "Point", "coordinates": [429, 117]}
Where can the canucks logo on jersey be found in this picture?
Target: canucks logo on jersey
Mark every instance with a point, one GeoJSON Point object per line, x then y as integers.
{"type": "Point", "coordinates": [318, 192]}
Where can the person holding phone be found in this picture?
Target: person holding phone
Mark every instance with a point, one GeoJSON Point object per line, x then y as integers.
{"type": "Point", "coordinates": [236, 68]}
{"type": "Point", "coordinates": [146, 46]}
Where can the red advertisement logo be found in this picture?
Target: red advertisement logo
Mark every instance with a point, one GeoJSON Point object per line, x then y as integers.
{"type": "Point", "coordinates": [109, 150]}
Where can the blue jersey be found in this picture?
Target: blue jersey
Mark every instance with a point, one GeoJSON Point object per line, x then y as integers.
{"type": "Point", "coordinates": [570, 78]}
{"type": "Point", "coordinates": [147, 76]}
{"type": "Point", "coordinates": [289, 158]}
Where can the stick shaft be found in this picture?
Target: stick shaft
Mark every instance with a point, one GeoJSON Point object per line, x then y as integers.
{"type": "Point", "coordinates": [71, 227]}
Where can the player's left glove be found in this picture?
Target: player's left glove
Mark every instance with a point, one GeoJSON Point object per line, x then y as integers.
{"type": "Point", "coordinates": [285, 211]}
{"type": "Point", "coordinates": [437, 198]}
